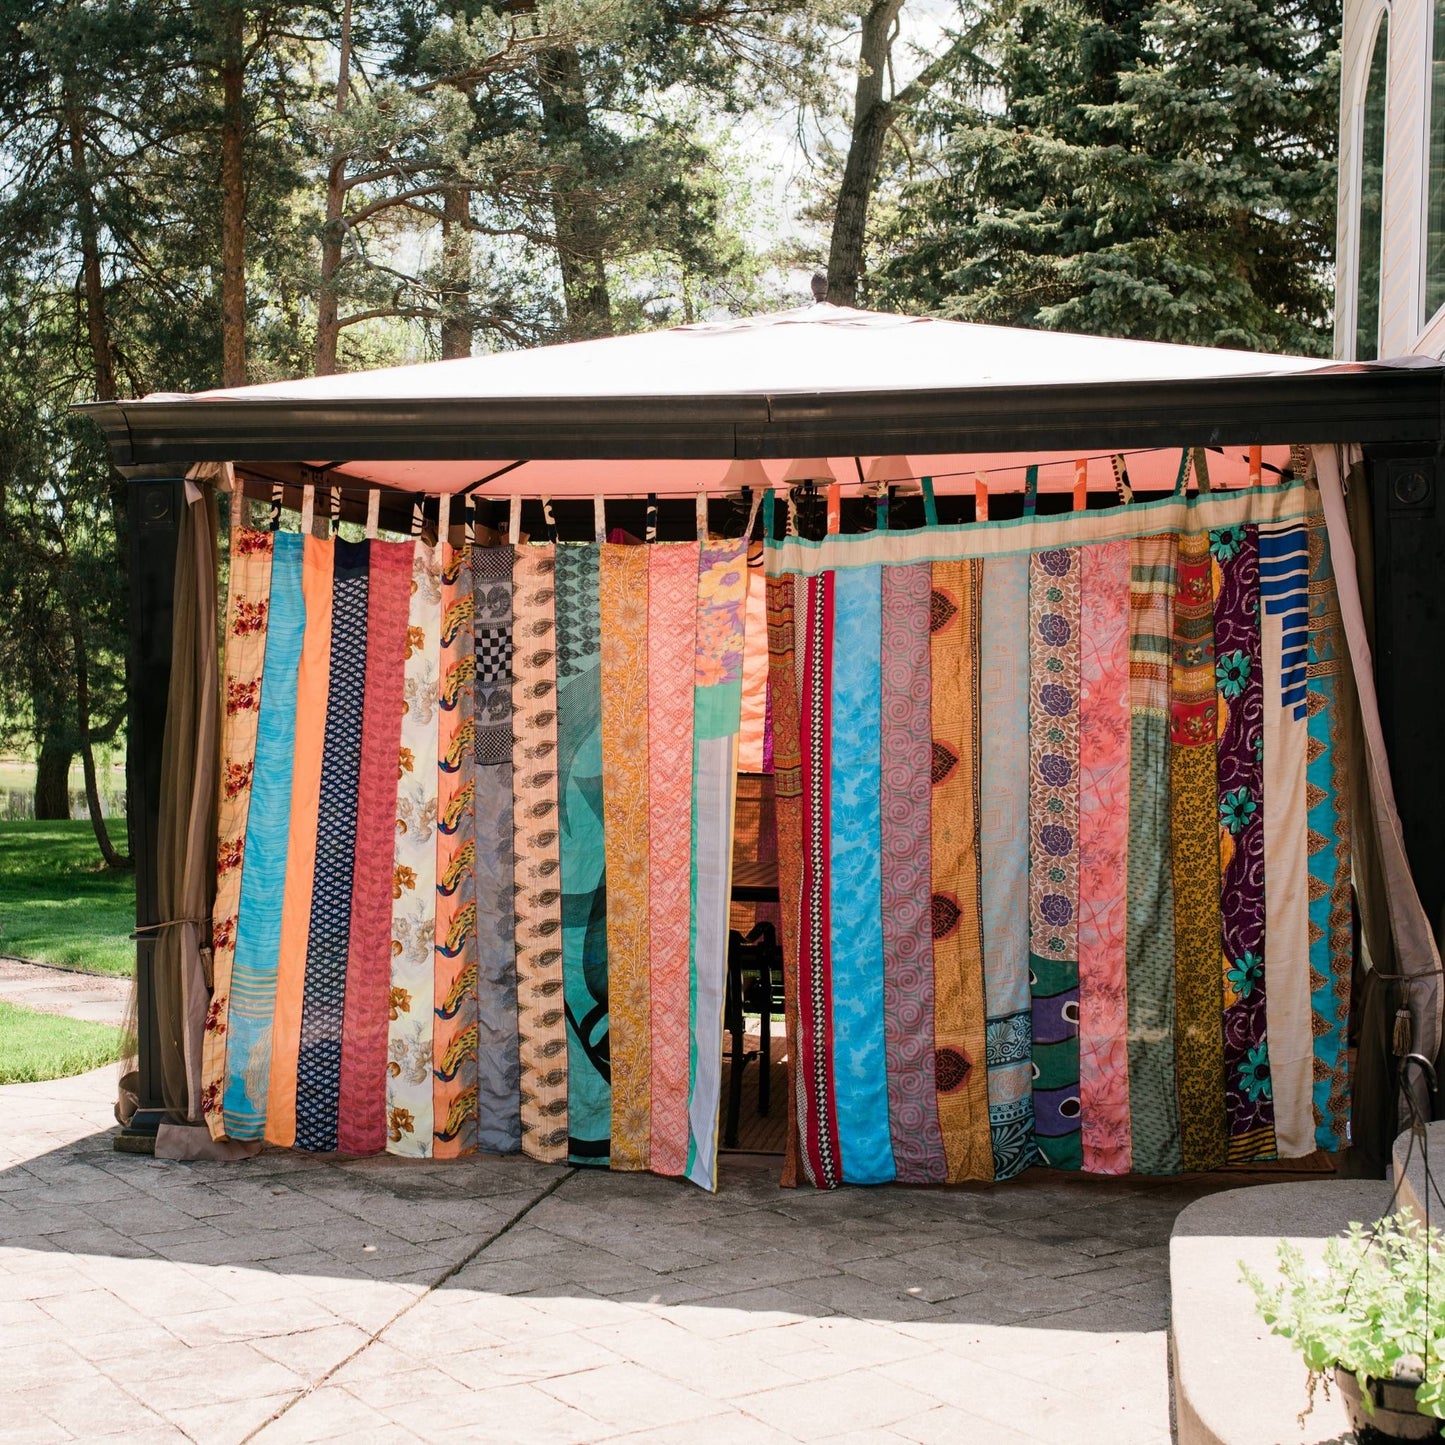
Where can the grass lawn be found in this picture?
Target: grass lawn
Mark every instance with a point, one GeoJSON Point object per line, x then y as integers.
{"type": "Point", "coordinates": [59, 904]}
{"type": "Point", "coordinates": [36, 1046]}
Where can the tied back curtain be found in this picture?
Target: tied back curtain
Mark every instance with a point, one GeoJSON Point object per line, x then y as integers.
{"type": "Point", "coordinates": [1064, 849]}
{"type": "Point", "coordinates": [474, 852]}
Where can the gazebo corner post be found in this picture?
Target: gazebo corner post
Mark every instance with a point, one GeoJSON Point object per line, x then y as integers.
{"type": "Point", "coordinates": [156, 496]}
{"type": "Point", "coordinates": [1407, 514]}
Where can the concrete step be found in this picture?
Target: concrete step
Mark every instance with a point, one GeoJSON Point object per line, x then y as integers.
{"type": "Point", "coordinates": [1234, 1382]}
{"type": "Point", "coordinates": [1420, 1165]}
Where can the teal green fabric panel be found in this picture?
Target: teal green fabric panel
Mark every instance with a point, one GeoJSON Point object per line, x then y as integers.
{"type": "Point", "coordinates": [583, 855]}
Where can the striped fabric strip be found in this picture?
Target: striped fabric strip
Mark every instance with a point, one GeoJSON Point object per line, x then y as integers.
{"type": "Point", "coordinates": [268, 826]}
{"type": "Point", "coordinates": [1149, 948]}
{"type": "Point", "coordinates": [499, 1124]}
{"type": "Point", "coordinates": [959, 1033]}
{"type": "Point", "coordinates": [906, 847]}
{"type": "Point", "coordinates": [819, 1153]}
{"type": "Point", "coordinates": [1104, 773]}
{"type": "Point", "coordinates": [855, 907]}
{"type": "Point", "coordinates": [318, 1067]}
{"type": "Point", "coordinates": [1004, 854]}
{"type": "Point", "coordinates": [583, 855]}
{"type": "Point", "coordinates": [717, 718]}
{"type": "Point", "coordinates": [313, 680]}
{"type": "Point", "coordinates": [1199, 1034]}
{"type": "Point", "coordinates": [1286, 863]}
{"type": "Point", "coordinates": [454, 936]}
{"type": "Point", "coordinates": [361, 1103]}
{"type": "Point", "coordinates": [1054, 852]}
{"type": "Point", "coordinates": [672, 570]}
{"type": "Point", "coordinates": [413, 887]}
{"type": "Point", "coordinates": [787, 792]}
{"type": "Point", "coordinates": [1331, 913]}
{"type": "Point", "coordinates": [541, 1023]}
{"type": "Point", "coordinates": [248, 606]}
{"type": "Point", "coordinates": [1249, 1103]}
{"type": "Point", "coordinates": [1284, 591]}
{"type": "Point", "coordinates": [623, 590]}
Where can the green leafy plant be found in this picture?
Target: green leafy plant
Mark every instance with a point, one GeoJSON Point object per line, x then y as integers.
{"type": "Point", "coordinates": [1374, 1306]}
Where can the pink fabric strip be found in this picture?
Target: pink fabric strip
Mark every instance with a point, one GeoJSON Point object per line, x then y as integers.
{"type": "Point", "coordinates": [361, 1115]}
{"type": "Point", "coordinates": [1104, 729]}
{"type": "Point", "coordinates": [672, 645]}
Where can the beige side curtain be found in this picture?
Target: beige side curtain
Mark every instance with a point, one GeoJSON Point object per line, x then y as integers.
{"type": "Point", "coordinates": [186, 882]}
{"type": "Point", "coordinates": [1410, 945]}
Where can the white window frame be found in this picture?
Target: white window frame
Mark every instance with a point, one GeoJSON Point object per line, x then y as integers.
{"type": "Point", "coordinates": [1433, 321]}
{"type": "Point", "coordinates": [1378, 16]}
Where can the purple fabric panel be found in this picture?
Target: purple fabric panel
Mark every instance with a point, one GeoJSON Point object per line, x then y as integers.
{"type": "Point", "coordinates": [907, 787]}
{"type": "Point", "coordinates": [1249, 1104]}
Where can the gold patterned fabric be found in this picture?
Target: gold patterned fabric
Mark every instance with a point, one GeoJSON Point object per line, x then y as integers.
{"type": "Point", "coordinates": [541, 1023]}
{"type": "Point", "coordinates": [622, 584]}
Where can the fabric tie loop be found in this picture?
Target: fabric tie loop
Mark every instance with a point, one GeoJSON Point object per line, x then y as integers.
{"type": "Point", "coordinates": [930, 502]}
{"type": "Point", "coordinates": [1031, 491]}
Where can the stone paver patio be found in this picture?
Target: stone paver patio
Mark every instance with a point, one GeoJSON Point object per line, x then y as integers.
{"type": "Point", "coordinates": [289, 1298]}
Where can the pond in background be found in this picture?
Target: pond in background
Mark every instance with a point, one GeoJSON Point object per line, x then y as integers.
{"type": "Point", "coordinates": [17, 789]}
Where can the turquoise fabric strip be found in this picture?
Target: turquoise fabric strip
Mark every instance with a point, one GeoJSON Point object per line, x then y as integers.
{"type": "Point", "coordinates": [258, 927]}
{"type": "Point", "coordinates": [1324, 827]}
{"type": "Point", "coordinates": [1004, 843]}
{"type": "Point", "coordinates": [583, 854]}
{"type": "Point", "coordinates": [717, 717]}
{"type": "Point", "coordinates": [856, 883]}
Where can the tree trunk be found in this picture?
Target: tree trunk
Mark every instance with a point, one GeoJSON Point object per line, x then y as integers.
{"type": "Point", "coordinates": [871, 118]}
{"type": "Point", "coordinates": [97, 321]}
{"type": "Point", "coordinates": [233, 198]}
{"type": "Point", "coordinates": [52, 780]}
{"type": "Point", "coordinates": [574, 210]}
{"type": "Point", "coordinates": [96, 326]}
{"type": "Point", "coordinates": [113, 859]}
{"type": "Point", "coordinates": [333, 237]}
{"type": "Point", "coordinates": [456, 273]}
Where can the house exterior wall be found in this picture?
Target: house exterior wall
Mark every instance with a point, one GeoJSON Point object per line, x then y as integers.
{"type": "Point", "coordinates": [1404, 328]}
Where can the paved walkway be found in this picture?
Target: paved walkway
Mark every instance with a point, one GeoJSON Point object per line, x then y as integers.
{"type": "Point", "coordinates": [99, 997]}
{"type": "Point", "coordinates": [289, 1298]}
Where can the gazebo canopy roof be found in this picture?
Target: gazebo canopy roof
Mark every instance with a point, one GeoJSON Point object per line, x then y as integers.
{"type": "Point", "coordinates": [674, 411]}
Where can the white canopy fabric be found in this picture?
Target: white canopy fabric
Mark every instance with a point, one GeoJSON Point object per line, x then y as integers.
{"type": "Point", "coordinates": [812, 350]}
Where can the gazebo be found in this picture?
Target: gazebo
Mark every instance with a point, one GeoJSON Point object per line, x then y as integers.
{"type": "Point", "coordinates": [855, 403]}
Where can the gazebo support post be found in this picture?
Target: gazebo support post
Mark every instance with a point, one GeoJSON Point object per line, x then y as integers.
{"type": "Point", "coordinates": [1407, 486]}
{"type": "Point", "coordinates": [155, 502]}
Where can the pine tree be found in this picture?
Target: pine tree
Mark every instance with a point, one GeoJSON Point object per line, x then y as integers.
{"type": "Point", "coordinates": [1144, 168]}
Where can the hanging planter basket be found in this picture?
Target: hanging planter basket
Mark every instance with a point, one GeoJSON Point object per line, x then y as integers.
{"type": "Point", "coordinates": [1395, 1416]}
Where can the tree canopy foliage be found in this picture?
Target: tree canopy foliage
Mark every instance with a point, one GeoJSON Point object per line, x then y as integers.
{"type": "Point", "coordinates": [1161, 169]}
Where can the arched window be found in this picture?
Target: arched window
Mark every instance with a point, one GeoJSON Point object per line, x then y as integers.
{"type": "Point", "coordinates": [1435, 203]}
{"type": "Point", "coordinates": [1372, 196]}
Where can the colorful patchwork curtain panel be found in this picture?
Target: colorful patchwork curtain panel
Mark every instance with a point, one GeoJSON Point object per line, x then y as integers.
{"type": "Point", "coordinates": [1065, 856]}
{"type": "Point", "coordinates": [475, 848]}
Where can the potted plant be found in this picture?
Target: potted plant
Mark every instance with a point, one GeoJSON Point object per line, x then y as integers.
{"type": "Point", "coordinates": [1372, 1315]}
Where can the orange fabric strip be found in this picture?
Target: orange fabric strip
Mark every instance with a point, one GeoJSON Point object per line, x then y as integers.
{"type": "Point", "coordinates": [623, 595]}
{"type": "Point", "coordinates": [958, 1002]}
{"type": "Point", "coordinates": [313, 681]}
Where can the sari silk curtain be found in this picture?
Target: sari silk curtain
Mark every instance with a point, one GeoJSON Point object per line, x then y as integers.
{"type": "Point", "coordinates": [1063, 863]}
{"type": "Point", "coordinates": [475, 849]}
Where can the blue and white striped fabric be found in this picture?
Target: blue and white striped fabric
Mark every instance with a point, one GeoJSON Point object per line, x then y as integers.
{"type": "Point", "coordinates": [1284, 590]}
